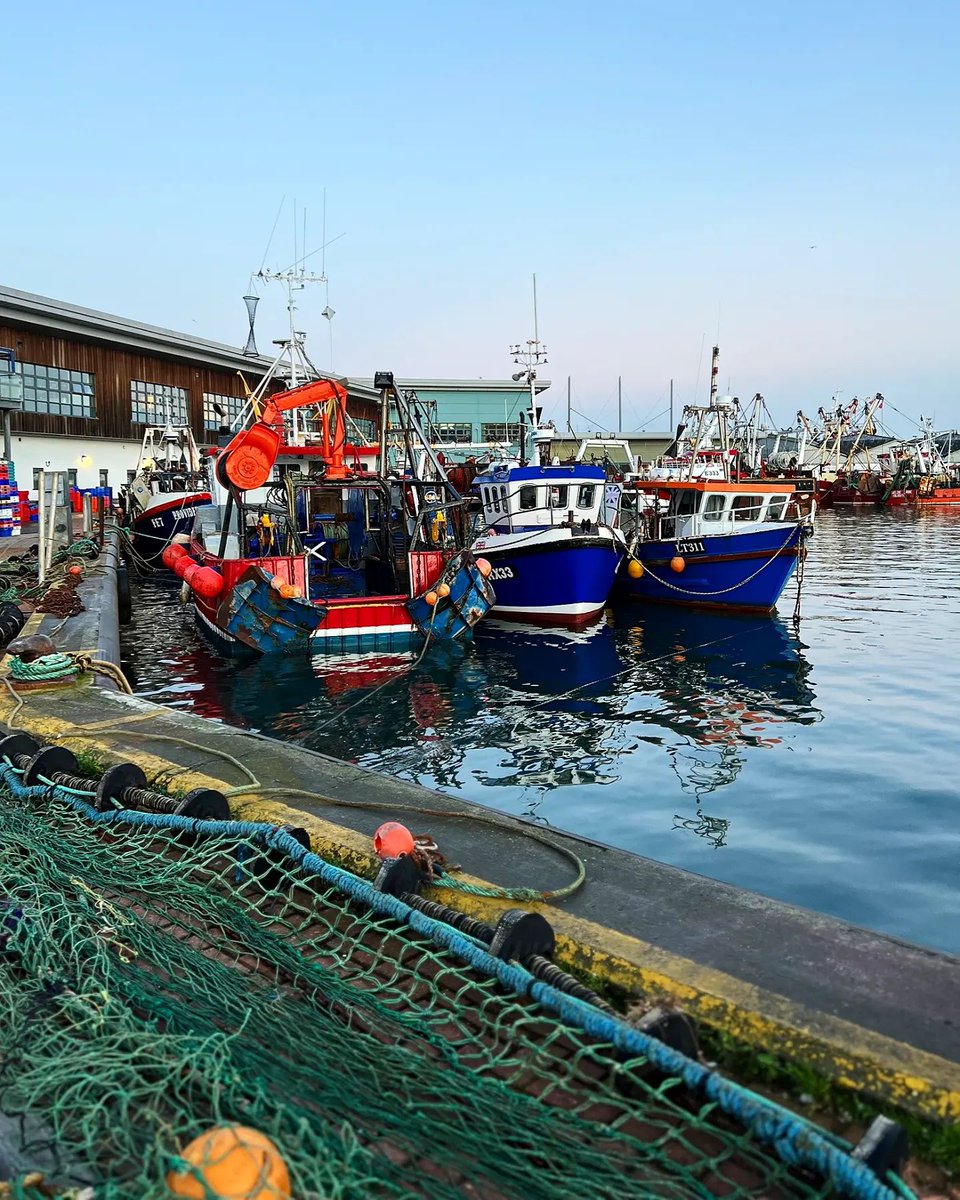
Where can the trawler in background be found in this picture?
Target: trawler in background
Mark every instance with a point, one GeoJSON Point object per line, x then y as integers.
{"type": "Point", "coordinates": [169, 488]}
{"type": "Point", "coordinates": [921, 473]}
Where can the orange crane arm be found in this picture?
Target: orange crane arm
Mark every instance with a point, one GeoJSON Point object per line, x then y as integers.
{"type": "Point", "coordinates": [248, 460]}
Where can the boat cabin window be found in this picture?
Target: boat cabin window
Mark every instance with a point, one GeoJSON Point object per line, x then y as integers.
{"type": "Point", "coordinates": [495, 496]}
{"type": "Point", "coordinates": [587, 493]}
{"type": "Point", "coordinates": [528, 497]}
{"type": "Point", "coordinates": [558, 497]}
{"type": "Point", "coordinates": [684, 504]}
{"type": "Point", "coordinates": [776, 507]}
{"type": "Point", "coordinates": [747, 508]}
{"type": "Point", "coordinates": [713, 509]}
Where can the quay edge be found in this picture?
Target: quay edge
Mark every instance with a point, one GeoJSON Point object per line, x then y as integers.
{"type": "Point", "coordinates": [870, 1012]}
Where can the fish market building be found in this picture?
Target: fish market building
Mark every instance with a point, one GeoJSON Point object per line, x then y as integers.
{"type": "Point", "coordinates": [84, 384]}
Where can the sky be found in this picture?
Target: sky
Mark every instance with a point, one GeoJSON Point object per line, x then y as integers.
{"type": "Point", "coordinates": [782, 179]}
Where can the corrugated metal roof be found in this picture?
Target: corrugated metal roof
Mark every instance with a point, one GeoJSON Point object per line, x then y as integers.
{"type": "Point", "coordinates": [28, 308]}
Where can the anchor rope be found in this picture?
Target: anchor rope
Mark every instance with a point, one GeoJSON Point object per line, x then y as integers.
{"type": "Point", "coordinates": [722, 591]}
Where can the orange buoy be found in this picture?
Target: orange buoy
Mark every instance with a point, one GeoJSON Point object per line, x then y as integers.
{"type": "Point", "coordinates": [483, 566]}
{"type": "Point", "coordinates": [206, 582]}
{"type": "Point", "coordinates": [233, 1163]}
{"type": "Point", "coordinates": [443, 589]}
{"type": "Point", "coordinates": [431, 598]}
{"type": "Point", "coordinates": [634, 569]}
{"type": "Point", "coordinates": [75, 570]}
{"type": "Point", "coordinates": [190, 571]}
{"type": "Point", "coordinates": [678, 564]}
{"type": "Point", "coordinates": [171, 553]}
{"type": "Point", "coordinates": [290, 591]}
{"type": "Point", "coordinates": [392, 839]}
{"type": "Point", "coordinates": [183, 565]}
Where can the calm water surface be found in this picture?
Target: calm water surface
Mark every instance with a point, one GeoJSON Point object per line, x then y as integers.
{"type": "Point", "coordinates": [818, 767]}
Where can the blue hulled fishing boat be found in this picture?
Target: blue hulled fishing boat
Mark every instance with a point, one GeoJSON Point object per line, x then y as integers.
{"type": "Point", "coordinates": [554, 556]}
{"type": "Point", "coordinates": [727, 543]}
{"type": "Point", "coordinates": [549, 532]}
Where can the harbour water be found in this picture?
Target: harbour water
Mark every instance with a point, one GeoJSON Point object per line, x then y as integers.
{"type": "Point", "coordinates": [816, 765]}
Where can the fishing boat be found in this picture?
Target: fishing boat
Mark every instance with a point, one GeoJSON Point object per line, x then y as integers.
{"type": "Point", "coordinates": [715, 543]}
{"type": "Point", "coordinates": [169, 487]}
{"type": "Point", "coordinates": [923, 475]}
{"type": "Point", "coordinates": [545, 529]}
{"type": "Point", "coordinates": [327, 558]}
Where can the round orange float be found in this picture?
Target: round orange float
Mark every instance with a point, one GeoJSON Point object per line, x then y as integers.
{"type": "Point", "coordinates": [431, 598]}
{"type": "Point", "coordinates": [634, 569]}
{"type": "Point", "coordinates": [232, 1163]}
{"type": "Point", "coordinates": [678, 564]}
{"type": "Point", "coordinates": [484, 567]}
{"type": "Point", "coordinates": [392, 839]}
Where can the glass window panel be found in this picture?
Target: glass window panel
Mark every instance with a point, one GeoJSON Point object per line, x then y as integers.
{"type": "Point", "coordinates": [586, 496]}
{"type": "Point", "coordinates": [746, 508]}
{"type": "Point", "coordinates": [713, 510]}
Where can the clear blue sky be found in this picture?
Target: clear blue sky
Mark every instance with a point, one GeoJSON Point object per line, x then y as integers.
{"type": "Point", "coordinates": [663, 167]}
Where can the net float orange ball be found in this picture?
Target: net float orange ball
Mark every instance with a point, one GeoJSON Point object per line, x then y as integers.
{"type": "Point", "coordinates": [431, 598]}
{"type": "Point", "coordinates": [392, 839]}
{"type": "Point", "coordinates": [678, 564]}
{"type": "Point", "coordinates": [290, 591]}
{"type": "Point", "coordinates": [232, 1163]}
{"type": "Point", "coordinates": [443, 589]}
{"type": "Point", "coordinates": [634, 569]}
{"type": "Point", "coordinates": [75, 571]}
{"type": "Point", "coordinates": [483, 566]}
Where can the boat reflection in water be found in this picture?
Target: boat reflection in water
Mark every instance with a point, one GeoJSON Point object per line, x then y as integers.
{"type": "Point", "coordinates": [525, 709]}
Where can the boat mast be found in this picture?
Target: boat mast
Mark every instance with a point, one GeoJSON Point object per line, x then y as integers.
{"type": "Point", "coordinates": [294, 280]}
{"type": "Point", "coordinates": [528, 357]}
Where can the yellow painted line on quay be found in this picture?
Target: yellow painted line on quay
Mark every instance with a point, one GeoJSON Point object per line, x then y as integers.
{"type": "Point", "coordinates": [858, 1058]}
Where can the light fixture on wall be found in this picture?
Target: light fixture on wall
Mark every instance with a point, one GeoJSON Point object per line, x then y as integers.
{"type": "Point", "coordinates": [85, 460]}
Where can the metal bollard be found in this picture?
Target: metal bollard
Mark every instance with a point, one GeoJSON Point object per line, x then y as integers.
{"type": "Point", "coordinates": [121, 786]}
{"type": "Point", "coordinates": [88, 514]}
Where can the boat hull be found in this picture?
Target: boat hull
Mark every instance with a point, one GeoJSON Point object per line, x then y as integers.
{"type": "Point", "coordinates": [737, 572]}
{"type": "Point", "coordinates": [558, 577]}
{"type": "Point", "coordinates": [153, 529]}
{"type": "Point", "coordinates": [252, 616]}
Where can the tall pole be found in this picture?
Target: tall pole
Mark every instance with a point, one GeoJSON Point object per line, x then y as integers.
{"type": "Point", "coordinates": [619, 404]}
{"type": "Point", "coordinates": [671, 405]}
{"type": "Point", "coordinates": [569, 425]}
{"type": "Point", "coordinates": [714, 372]}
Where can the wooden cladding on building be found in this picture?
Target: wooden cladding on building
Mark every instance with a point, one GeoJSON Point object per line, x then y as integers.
{"type": "Point", "coordinates": [113, 370]}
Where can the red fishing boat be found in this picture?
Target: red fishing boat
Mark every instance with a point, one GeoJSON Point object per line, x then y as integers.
{"type": "Point", "coordinates": [328, 557]}
{"type": "Point", "coordinates": [923, 476]}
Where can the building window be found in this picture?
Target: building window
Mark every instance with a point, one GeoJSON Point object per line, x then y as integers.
{"type": "Point", "coordinates": [72, 478]}
{"type": "Point", "coordinates": [361, 431]}
{"type": "Point", "coordinates": [104, 478]}
{"type": "Point", "coordinates": [454, 432]}
{"type": "Point", "coordinates": [57, 390]}
{"type": "Point", "coordinates": [36, 478]}
{"type": "Point", "coordinates": [229, 406]}
{"type": "Point", "coordinates": [157, 403]}
{"type": "Point", "coordinates": [506, 435]}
